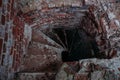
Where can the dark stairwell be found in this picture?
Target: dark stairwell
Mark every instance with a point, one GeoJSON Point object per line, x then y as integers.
{"type": "Point", "coordinates": [76, 42]}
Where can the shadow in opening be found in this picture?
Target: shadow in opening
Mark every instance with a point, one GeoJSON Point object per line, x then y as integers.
{"type": "Point", "coordinates": [76, 42]}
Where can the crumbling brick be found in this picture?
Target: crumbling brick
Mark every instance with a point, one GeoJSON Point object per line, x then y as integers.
{"type": "Point", "coordinates": [1, 45]}
{"type": "Point", "coordinates": [0, 3]}
{"type": "Point", "coordinates": [3, 19]}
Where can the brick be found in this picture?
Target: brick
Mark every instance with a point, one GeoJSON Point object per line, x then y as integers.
{"type": "Point", "coordinates": [19, 13]}
{"type": "Point", "coordinates": [4, 48]}
{"type": "Point", "coordinates": [2, 61]}
{"type": "Point", "coordinates": [12, 11]}
{"type": "Point", "coordinates": [4, 9]}
{"type": "Point", "coordinates": [1, 43]}
{"type": "Point", "coordinates": [3, 20]}
{"type": "Point", "coordinates": [12, 14]}
{"type": "Point", "coordinates": [11, 2]}
{"type": "Point", "coordinates": [6, 37]}
{"type": "Point", "coordinates": [13, 64]}
{"type": "Point", "coordinates": [119, 69]}
{"type": "Point", "coordinates": [16, 61]}
{"type": "Point", "coordinates": [15, 67]}
{"type": "Point", "coordinates": [15, 32]}
{"type": "Point", "coordinates": [21, 37]}
{"type": "Point", "coordinates": [17, 57]}
{"type": "Point", "coordinates": [8, 7]}
{"type": "Point", "coordinates": [16, 21]}
{"type": "Point", "coordinates": [0, 3]}
{"type": "Point", "coordinates": [83, 76]}
{"type": "Point", "coordinates": [12, 50]}
{"type": "Point", "coordinates": [7, 17]}
{"type": "Point", "coordinates": [113, 53]}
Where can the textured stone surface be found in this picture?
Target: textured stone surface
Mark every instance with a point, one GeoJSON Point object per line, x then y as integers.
{"type": "Point", "coordinates": [35, 76]}
{"type": "Point", "coordinates": [91, 69]}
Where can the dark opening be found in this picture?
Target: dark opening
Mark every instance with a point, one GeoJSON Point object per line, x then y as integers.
{"type": "Point", "coordinates": [77, 43]}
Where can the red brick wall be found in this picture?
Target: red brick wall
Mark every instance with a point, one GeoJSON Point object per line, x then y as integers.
{"type": "Point", "coordinates": [12, 41]}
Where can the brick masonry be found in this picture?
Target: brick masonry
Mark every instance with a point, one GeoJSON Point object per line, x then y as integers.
{"type": "Point", "coordinates": [13, 41]}
{"type": "Point", "coordinates": [18, 19]}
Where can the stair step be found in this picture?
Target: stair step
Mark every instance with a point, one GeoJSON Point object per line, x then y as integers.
{"type": "Point", "coordinates": [41, 58]}
{"type": "Point", "coordinates": [40, 37]}
{"type": "Point", "coordinates": [35, 76]}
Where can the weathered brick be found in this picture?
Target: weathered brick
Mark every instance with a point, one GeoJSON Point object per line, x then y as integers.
{"type": "Point", "coordinates": [20, 41]}
{"type": "Point", "coordinates": [16, 20]}
{"type": "Point", "coordinates": [7, 17]}
{"type": "Point", "coordinates": [15, 32]}
{"type": "Point", "coordinates": [0, 3]}
{"type": "Point", "coordinates": [1, 44]}
{"type": "Point", "coordinates": [12, 14]}
{"type": "Point", "coordinates": [4, 48]}
{"type": "Point", "coordinates": [13, 64]}
{"type": "Point", "coordinates": [3, 19]}
{"type": "Point", "coordinates": [82, 76]}
{"type": "Point", "coordinates": [6, 37]}
{"type": "Point", "coordinates": [2, 61]}
{"type": "Point", "coordinates": [11, 2]}
{"type": "Point", "coordinates": [8, 7]}
{"type": "Point", "coordinates": [12, 51]}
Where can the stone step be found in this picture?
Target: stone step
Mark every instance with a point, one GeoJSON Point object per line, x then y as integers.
{"type": "Point", "coordinates": [39, 36]}
{"type": "Point", "coordinates": [37, 63]}
{"type": "Point", "coordinates": [35, 76]}
{"type": "Point", "coordinates": [37, 48]}
{"type": "Point", "coordinates": [41, 57]}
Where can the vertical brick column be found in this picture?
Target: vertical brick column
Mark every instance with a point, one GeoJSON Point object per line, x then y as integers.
{"type": "Point", "coordinates": [12, 41]}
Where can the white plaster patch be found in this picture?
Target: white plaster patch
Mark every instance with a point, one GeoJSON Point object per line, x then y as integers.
{"type": "Point", "coordinates": [27, 32]}
{"type": "Point", "coordinates": [111, 15]}
{"type": "Point", "coordinates": [117, 23]}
